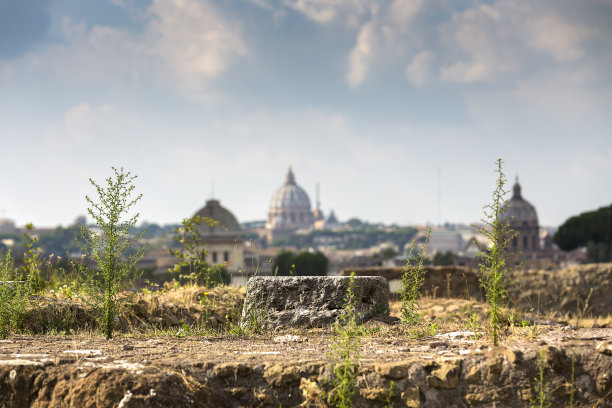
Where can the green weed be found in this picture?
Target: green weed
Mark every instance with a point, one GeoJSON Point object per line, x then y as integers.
{"type": "Point", "coordinates": [474, 323]}
{"type": "Point", "coordinates": [572, 380]}
{"type": "Point", "coordinates": [494, 261]}
{"type": "Point", "coordinates": [412, 282]}
{"type": "Point", "coordinates": [32, 259]}
{"type": "Point", "coordinates": [191, 255]}
{"type": "Point", "coordinates": [389, 397]}
{"type": "Point", "coordinates": [345, 351]}
{"type": "Point", "coordinates": [113, 248]}
{"type": "Point", "coordinates": [540, 385]}
{"type": "Point", "coordinates": [14, 296]}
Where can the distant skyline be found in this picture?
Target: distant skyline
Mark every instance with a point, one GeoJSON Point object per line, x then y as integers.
{"type": "Point", "coordinates": [368, 98]}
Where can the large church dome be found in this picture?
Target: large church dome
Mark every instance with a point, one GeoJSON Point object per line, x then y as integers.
{"type": "Point", "coordinates": [290, 195]}
{"type": "Point", "coordinates": [289, 208]}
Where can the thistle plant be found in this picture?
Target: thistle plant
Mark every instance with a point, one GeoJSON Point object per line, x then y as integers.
{"type": "Point", "coordinates": [113, 249]}
{"type": "Point", "coordinates": [494, 261]}
{"type": "Point", "coordinates": [14, 296]}
{"type": "Point", "coordinates": [345, 350]}
{"type": "Point", "coordinates": [412, 282]}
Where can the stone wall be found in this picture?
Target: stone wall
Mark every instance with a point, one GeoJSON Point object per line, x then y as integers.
{"type": "Point", "coordinates": [575, 289]}
{"type": "Point", "coordinates": [445, 281]}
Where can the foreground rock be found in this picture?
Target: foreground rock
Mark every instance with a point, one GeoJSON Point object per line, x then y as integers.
{"type": "Point", "coordinates": [311, 301]}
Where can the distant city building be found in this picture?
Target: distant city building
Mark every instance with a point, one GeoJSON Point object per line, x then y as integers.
{"type": "Point", "coordinates": [224, 241]}
{"type": "Point", "coordinates": [332, 222]}
{"type": "Point", "coordinates": [7, 226]}
{"type": "Point", "coordinates": [81, 219]}
{"type": "Point", "coordinates": [522, 217]}
{"type": "Point", "coordinates": [289, 210]}
{"type": "Point", "coordinates": [441, 240]}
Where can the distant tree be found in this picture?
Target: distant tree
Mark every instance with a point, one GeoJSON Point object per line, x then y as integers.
{"type": "Point", "coordinates": [444, 258]}
{"type": "Point", "coordinates": [354, 223]}
{"type": "Point", "coordinates": [592, 229]}
{"type": "Point", "coordinates": [303, 264]}
{"type": "Point", "coordinates": [60, 240]}
{"type": "Point", "coordinates": [599, 252]}
{"type": "Point", "coordinates": [388, 253]}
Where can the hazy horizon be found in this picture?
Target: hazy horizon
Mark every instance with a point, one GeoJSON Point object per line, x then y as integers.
{"type": "Point", "coordinates": [369, 99]}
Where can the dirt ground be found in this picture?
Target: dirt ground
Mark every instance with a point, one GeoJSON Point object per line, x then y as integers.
{"type": "Point", "coordinates": [447, 361]}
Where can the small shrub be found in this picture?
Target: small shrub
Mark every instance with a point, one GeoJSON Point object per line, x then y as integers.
{"type": "Point", "coordinates": [114, 250]}
{"type": "Point", "coordinates": [191, 254]}
{"type": "Point", "coordinates": [14, 296]}
{"type": "Point", "coordinates": [412, 282]}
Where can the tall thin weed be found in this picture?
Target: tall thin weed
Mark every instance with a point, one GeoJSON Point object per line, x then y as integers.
{"type": "Point", "coordinates": [494, 265]}
{"type": "Point", "coordinates": [345, 350]}
{"type": "Point", "coordinates": [412, 282]}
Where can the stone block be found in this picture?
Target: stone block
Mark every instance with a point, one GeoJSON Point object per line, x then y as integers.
{"type": "Point", "coordinates": [312, 301]}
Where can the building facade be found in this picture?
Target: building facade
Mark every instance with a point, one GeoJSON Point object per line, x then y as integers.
{"type": "Point", "coordinates": [224, 241]}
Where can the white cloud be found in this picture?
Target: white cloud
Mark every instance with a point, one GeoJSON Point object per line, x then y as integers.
{"type": "Point", "coordinates": [184, 45]}
{"type": "Point", "coordinates": [418, 70]}
{"type": "Point", "coordinates": [327, 11]}
{"type": "Point", "coordinates": [192, 39]}
{"type": "Point", "coordinates": [386, 35]}
{"type": "Point", "coordinates": [566, 92]}
{"type": "Point", "coordinates": [362, 55]}
{"type": "Point", "coordinates": [557, 37]}
{"type": "Point", "coordinates": [490, 42]}
{"type": "Point", "coordinates": [480, 43]}
{"type": "Point", "coordinates": [85, 122]}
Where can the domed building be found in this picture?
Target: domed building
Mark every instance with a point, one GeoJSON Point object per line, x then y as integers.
{"type": "Point", "coordinates": [224, 241]}
{"type": "Point", "coordinates": [522, 218]}
{"type": "Point", "coordinates": [289, 210]}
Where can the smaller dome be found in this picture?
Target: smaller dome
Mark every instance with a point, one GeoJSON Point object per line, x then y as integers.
{"type": "Point", "coordinates": [518, 210]}
{"type": "Point", "coordinates": [227, 225]}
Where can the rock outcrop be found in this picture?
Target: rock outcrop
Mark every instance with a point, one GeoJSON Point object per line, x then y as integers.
{"type": "Point", "coordinates": [311, 301]}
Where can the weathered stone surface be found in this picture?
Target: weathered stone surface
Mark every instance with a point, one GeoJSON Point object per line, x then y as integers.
{"type": "Point", "coordinates": [224, 370]}
{"type": "Point", "coordinates": [513, 356]}
{"type": "Point", "coordinates": [446, 375]}
{"type": "Point", "coordinates": [312, 393]}
{"type": "Point", "coordinates": [554, 358]}
{"type": "Point", "coordinates": [312, 301]}
{"type": "Point", "coordinates": [374, 393]}
{"type": "Point", "coordinates": [412, 397]}
{"type": "Point", "coordinates": [605, 347]}
{"type": "Point", "coordinates": [488, 396]}
{"type": "Point", "coordinates": [473, 375]}
{"type": "Point", "coordinates": [494, 370]}
{"type": "Point", "coordinates": [281, 376]}
{"type": "Point", "coordinates": [603, 383]}
{"type": "Point", "coordinates": [394, 371]}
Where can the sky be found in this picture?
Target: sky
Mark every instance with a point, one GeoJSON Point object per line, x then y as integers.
{"type": "Point", "coordinates": [398, 109]}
